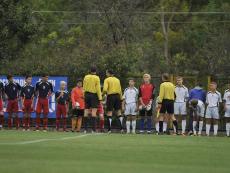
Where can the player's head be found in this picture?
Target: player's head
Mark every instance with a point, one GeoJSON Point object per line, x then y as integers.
{"type": "Point", "coordinates": [194, 103]}
{"type": "Point", "coordinates": [79, 82]}
{"type": "Point", "coordinates": [109, 73]}
{"type": "Point", "coordinates": [146, 78]}
{"type": "Point", "coordinates": [10, 78]}
{"type": "Point", "coordinates": [45, 77]}
{"type": "Point", "coordinates": [62, 85]}
{"type": "Point", "coordinates": [28, 79]}
{"type": "Point", "coordinates": [93, 70]}
{"type": "Point", "coordinates": [131, 82]}
{"type": "Point", "coordinates": [213, 86]}
{"type": "Point", "coordinates": [165, 77]}
{"type": "Point", "coordinates": [179, 80]}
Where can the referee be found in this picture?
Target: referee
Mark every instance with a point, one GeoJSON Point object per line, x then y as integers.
{"type": "Point", "coordinates": [112, 88]}
{"type": "Point", "coordinates": [166, 102]}
{"type": "Point", "coordinates": [92, 93]}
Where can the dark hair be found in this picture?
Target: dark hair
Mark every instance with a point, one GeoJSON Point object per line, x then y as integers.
{"type": "Point", "coordinates": [44, 75]}
{"type": "Point", "coordinates": [79, 80]}
{"type": "Point", "coordinates": [110, 71]}
{"type": "Point", "coordinates": [213, 82]}
{"type": "Point", "coordinates": [165, 76]}
{"type": "Point", "coordinates": [93, 69]}
{"type": "Point", "coordinates": [28, 76]}
{"type": "Point", "coordinates": [131, 79]}
{"type": "Point", "coordinates": [9, 76]}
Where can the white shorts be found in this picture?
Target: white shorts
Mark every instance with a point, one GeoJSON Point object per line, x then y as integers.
{"type": "Point", "coordinates": [130, 109]}
{"type": "Point", "coordinates": [180, 108]}
{"type": "Point", "coordinates": [212, 112]}
{"type": "Point", "coordinates": [227, 112]}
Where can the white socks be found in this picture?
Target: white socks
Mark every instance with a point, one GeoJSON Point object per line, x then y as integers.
{"type": "Point", "coordinates": [133, 126]}
{"type": "Point", "coordinates": [227, 129]}
{"type": "Point", "coordinates": [157, 126]}
{"type": "Point", "coordinates": [200, 127]}
{"type": "Point", "coordinates": [128, 126]}
{"type": "Point", "coordinates": [194, 127]}
{"type": "Point", "coordinates": [208, 126]}
{"type": "Point", "coordinates": [183, 125]}
{"type": "Point", "coordinates": [165, 126]}
{"type": "Point", "coordinates": [215, 129]}
{"type": "Point", "coordinates": [121, 119]}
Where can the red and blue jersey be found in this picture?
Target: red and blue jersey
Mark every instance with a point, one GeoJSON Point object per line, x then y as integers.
{"type": "Point", "coordinates": [44, 89]}
{"type": "Point", "coordinates": [1, 90]}
{"type": "Point", "coordinates": [63, 99]}
{"type": "Point", "coordinates": [27, 91]}
{"type": "Point", "coordinates": [146, 92]}
{"type": "Point", "coordinates": [12, 90]}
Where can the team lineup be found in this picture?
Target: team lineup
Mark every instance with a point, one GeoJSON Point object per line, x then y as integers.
{"type": "Point", "coordinates": [194, 109]}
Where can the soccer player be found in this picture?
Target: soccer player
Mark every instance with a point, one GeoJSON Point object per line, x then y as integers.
{"type": "Point", "coordinates": [166, 102]}
{"type": "Point", "coordinates": [130, 105]}
{"type": "Point", "coordinates": [27, 96]}
{"type": "Point", "coordinates": [1, 105]}
{"type": "Point", "coordinates": [62, 99]}
{"type": "Point", "coordinates": [12, 90]}
{"type": "Point", "coordinates": [44, 89]}
{"type": "Point", "coordinates": [146, 96]}
{"type": "Point", "coordinates": [112, 88]}
{"type": "Point", "coordinates": [78, 106]}
{"type": "Point", "coordinates": [213, 101]}
{"type": "Point", "coordinates": [92, 89]}
{"type": "Point", "coordinates": [100, 112]}
{"type": "Point", "coordinates": [226, 100]}
{"type": "Point", "coordinates": [199, 95]}
{"type": "Point", "coordinates": [182, 96]}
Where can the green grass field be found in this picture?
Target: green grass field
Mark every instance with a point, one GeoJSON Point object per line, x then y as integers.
{"type": "Point", "coordinates": [58, 152]}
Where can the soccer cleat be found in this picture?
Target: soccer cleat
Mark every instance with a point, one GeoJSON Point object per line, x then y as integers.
{"type": "Point", "coordinates": [121, 131]}
{"type": "Point", "coordinates": [85, 131]}
{"type": "Point", "coordinates": [127, 132]}
{"type": "Point", "coordinates": [183, 134]}
{"type": "Point", "coordinates": [44, 130]}
{"type": "Point", "coordinates": [133, 132]}
{"type": "Point", "coordinates": [37, 130]}
{"type": "Point", "coordinates": [109, 132]}
{"type": "Point", "coordinates": [149, 132]}
{"type": "Point", "coordinates": [28, 130]}
{"type": "Point", "coordinates": [23, 130]}
{"type": "Point", "coordinates": [142, 131]}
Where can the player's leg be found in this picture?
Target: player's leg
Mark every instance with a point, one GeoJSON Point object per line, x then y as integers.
{"type": "Point", "coordinates": [165, 123]}
{"type": "Point", "coordinates": [208, 117]}
{"type": "Point", "coordinates": [149, 121]}
{"type": "Point", "coordinates": [94, 102]}
{"type": "Point", "coordinates": [100, 111]}
{"type": "Point", "coordinates": [109, 110]}
{"type": "Point", "coordinates": [170, 111]}
{"type": "Point", "coordinates": [183, 118]}
{"type": "Point", "coordinates": [79, 119]}
{"type": "Point", "coordinates": [133, 118]}
{"type": "Point", "coordinates": [38, 109]}
{"type": "Point", "coordinates": [45, 106]}
{"type": "Point", "coordinates": [227, 126]}
{"type": "Point", "coordinates": [156, 120]}
{"type": "Point", "coordinates": [15, 114]}
{"type": "Point", "coordinates": [177, 113]}
{"type": "Point", "coordinates": [162, 116]}
{"type": "Point", "coordinates": [1, 114]}
{"type": "Point", "coordinates": [142, 120]}
{"type": "Point", "coordinates": [117, 108]}
{"type": "Point", "coordinates": [200, 114]}
{"type": "Point", "coordinates": [64, 117]}
{"type": "Point", "coordinates": [216, 118]}
{"type": "Point", "coordinates": [58, 117]}
{"type": "Point", "coordinates": [128, 124]}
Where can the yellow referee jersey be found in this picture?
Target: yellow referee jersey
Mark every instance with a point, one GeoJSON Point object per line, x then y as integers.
{"type": "Point", "coordinates": [112, 85]}
{"type": "Point", "coordinates": [91, 83]}
{"type": "Point", "coordinates": [167, 91]}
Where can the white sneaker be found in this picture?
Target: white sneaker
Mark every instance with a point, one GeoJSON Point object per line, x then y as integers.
{"type": "Point", "coordinates": [133, 132]}
{"type": "Point", "coordinates": [148, 131]}
{"type": "Point", "coordinates": [109, 132]}
{"type": "Point", "coordinates": [28, 130]}
{"type": "Point", "coordinates": [142, 131]}
{"type": "Point", "coordinates": [44, 130]}
{"type": "Point", "coordinates": [85, 131]}
{"type": "Point", "coordinates": [23, 130]}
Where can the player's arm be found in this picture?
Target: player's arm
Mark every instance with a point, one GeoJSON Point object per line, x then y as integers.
{"type": "Point", "coordinates": [224, 102]}
{"type": "Point", "coordinates": [51, 89]}
{"type": "Point", "coordinates": [73, 98]}
{"type": "Point", "coordinates": [22, 95]}
{"type": "Point", "coordinates": [98, 88]}
{"type": "Point", "coordinates": [140, 97]}
{"type": "Point", "coordinates": [105, 87]}
{"type": "Point", "coordinates": [120, 91]}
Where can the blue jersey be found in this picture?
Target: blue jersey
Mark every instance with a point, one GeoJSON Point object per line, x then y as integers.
{"type": "Point", "coordinates": [197, 93]}
{"type": "Point", "coordinates": [27, 91]}
{"type": "Point", "coordinates": [12, 90]}
{"type": "Point", "coordinates": [63, 99]}
{"type": "Point", "coordinates": [44, 89]}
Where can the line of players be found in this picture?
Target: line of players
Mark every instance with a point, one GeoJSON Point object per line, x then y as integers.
{"type": "Point", "coordinates": [87, 103]}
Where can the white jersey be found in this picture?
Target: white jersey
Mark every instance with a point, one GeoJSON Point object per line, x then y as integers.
{"type": "Point", "coordinates": [213, 99]}
{"type": "Point", "coordinates": [181, 93]}
{"type": "Point", "coordinates": [227, 97]}
{"type": "Point", "coordinates": [130, 95]}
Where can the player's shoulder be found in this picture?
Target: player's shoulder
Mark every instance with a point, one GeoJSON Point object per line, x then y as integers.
{"type": "Point", "coordinates": [228, 90]}
{"type": "Point", "coordinates": [66, 92]}
{"type": "Point", "coordinates": [218, 93]}
{"type": "Point", "coordinates": [135, 89]}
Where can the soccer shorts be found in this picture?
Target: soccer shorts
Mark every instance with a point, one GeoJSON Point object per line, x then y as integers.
{"type": "Point", "coordinates": [42, 106]}
{"type": "Point", "coordinates": [180, 108]}
{"type": "Point", "coordinates": [12, 106]}
{"type": "Point", "coordinates": [78, 112]}
{"type": "Point", "coordinates": [91, 100]}
{"type": "Point", "coordinates": [61, 111]}
{"type": "Point", "coordinates": [27, 106]}
{"type": "Point", "coordinates": [212, 112]}
{"type": "Point", "coordinates": [113, 102]}
{"type": "Point", "coordinates": [130, 109]}
{"type": "Point", "coordinates": [227, 112]}
{"type": "Point", "coordinates": [167, 106]}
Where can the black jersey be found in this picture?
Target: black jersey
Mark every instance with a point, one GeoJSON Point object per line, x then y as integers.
{"type": "Point", "coordinates": [1, 90]}
{"type": "Point", "coordinates": [44, 89]}
{"type": "Point", "coordinates": [63, 99]}
{"type": "Point", "coordinates": [12, 90]}
{"type": "Point", "coordinates": [27, 91]}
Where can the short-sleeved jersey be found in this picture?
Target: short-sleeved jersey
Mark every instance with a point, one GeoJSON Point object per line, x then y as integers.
{"type": "Point", "coordinates": [1, 90]}
{"type": "Point", "coordinates": [130, 95]}
{"type": "Point", "coordinates": [27, 91]}
{"type": "Point", "coordinates": [181, 93]}
{"type": "Point", "coordinates": [12, 90]}
{"type": "Point", "coordinates": [112, 85]}
{"type": "Point", "coordinates": [167, 91]}
{"type": "Point", "coordinates": [77, 96]}
{"type": "Point", "coordinates": [227, 97]}
{"type": "Point", "coordinates": [44, 89]}
{"type": "Point", "coordinates": [213, 99]}
{"type": "Point", "coordinates": [146, 93]}
{"type": "Point", "coordinates": [63, 99]}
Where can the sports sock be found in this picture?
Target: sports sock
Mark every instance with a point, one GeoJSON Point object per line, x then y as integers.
{"type": "Point", "coordinates": [215, 126]}
{"type": "Point", "coordinates": [194, 126]}
{"type": "Point", "coordinates": [93, 120]}
{"type": "Point", "coordinates": [64, 123]}
{"type": "Point", "coordinates": [1, 120]}
{"type": "Point", "coordinates": [142, 123]}
{"type": "Point", "coordinates": [73, 123]}
{"type": "Point", "coordinates": [149, 123]}
{"type": "Point", "coordinates": [200, 126]}
{"type": "Point", "coordinates": [134, 125]}
{"type": "Point", "coordinates": [183, 125]}
{"type": "Point", "coordinates": [57, 123]}
{"type": "Point", "coordinates": [86, 122]}
{"type": "Point", "coordinates": [109, 123]}
{"type": "Point", "coordinates": [165, 124]}
{"type": "Point", "coordinates": [175, 124]}
{"type": "Point", "coordinates": [227, 129]}
{"type": "Point", "coordinates": [79, 123]}
{"type": "Point", "coordinates": [10, 122]}
{"type": "Point", "coordinates": [101, 124]}
{"type": "Point", "coordinates": [157, 126]}
{"type": "Point", "coordinates": [208, 126]}
{"type": "Point", "coordinates": [17, 122]}
{"type": "Point", "coordinates": [28, 122]}
{"type": "Point", "coordinates": [37, 121]}
{"type": "Point", "coordinates": [45, 122]}
{"type": "Point", "coordinates": [121, 122]}
{"type": "Point", "coordinates": [128, 126]}
{"type": "Point", "coordinates": [161, 126]}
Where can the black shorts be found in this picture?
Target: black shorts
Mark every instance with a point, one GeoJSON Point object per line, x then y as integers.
{"type": "Point", "coordinates": [167, 106]}
{"type": "Point", "coordinates": [144, 112]}
{"type": "Point", "coordinates": [91, 100]}
{"type": "Point", "coordinates": [78, 112]}
{"type": "Point", "coordinates": [113, 102]}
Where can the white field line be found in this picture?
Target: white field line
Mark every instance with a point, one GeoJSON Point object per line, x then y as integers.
{"type": "Point", "coordinates": [46, 139]}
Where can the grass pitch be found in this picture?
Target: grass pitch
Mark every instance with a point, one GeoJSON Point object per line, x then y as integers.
{"type": "Point", "coordinates": [58, 152]}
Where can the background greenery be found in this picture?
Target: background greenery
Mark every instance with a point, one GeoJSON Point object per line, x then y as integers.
{"type": "Point", "coordinates": [117, 34]}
